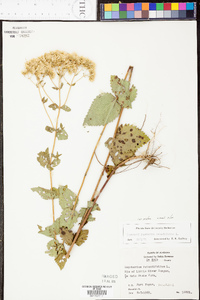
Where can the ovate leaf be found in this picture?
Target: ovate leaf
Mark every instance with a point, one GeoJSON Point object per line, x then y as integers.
{"type": "Point", "coordinates": [82, 237]}
{"type": "Point", "coordinates": [61, 133]}
{"type": "Point", "coordinates": [104, 109]}
{"type": "Point", "coordinates": [66, 235]}
{"type": "Point", "coordinates": [45, 193]}
{"type": "Point", "coordinates": [66, 108]}
{"type": "Point", "coordinates": [49, 129]}
{"type": "Point", "coordinates": [128, 140]}
{"type": "Point", "coordinates": [44, 159]}
{"type": "Point", "coordinates": [54, 106]}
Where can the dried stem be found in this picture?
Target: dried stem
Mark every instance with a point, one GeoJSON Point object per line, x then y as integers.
{"type": "Point", "coordinates": [45, 108]}
{"type": "Point", "coordinates": [88, 167]}
{"type": "Point", "coordinates": [129, 72]}
{"type": "Point", "coordinates": [85, 217]}
{"type": "Point", "coordinates": [47, 95]}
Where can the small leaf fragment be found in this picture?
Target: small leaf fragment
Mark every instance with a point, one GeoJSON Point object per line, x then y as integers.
{"type": "Point", "coordinates": [55, 88]}
{"type": "Point", "coordinates": [66, 235]}
{"type": "Point", "coordinates": [56, 161]}
{"type": "Point", "coordinates": [103, 110]}
{"type": "Point", "coordinates": [44, 159]}
{"type": "Point", "coordinates": [61, 134]}
{"type": "Point", "coordinates": [46, 193]}
{"type": "Point", "coordinates": [82, 237]}
{"type": "Point", "coordinates": [66, 108]}
{"type": "Point", "coordinates": [54, 106]}
{"type": "Point", "coordinates": [44, 100]}
{"type": "Point", "coordinates": [49, 129]}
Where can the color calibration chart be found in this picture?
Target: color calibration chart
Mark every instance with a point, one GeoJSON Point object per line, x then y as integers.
{"type": "Point", "coordinates": [148, 11]}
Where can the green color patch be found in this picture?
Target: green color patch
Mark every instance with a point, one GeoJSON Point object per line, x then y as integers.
{"type": "Point", "coordinates": [159, 6]}
{"type": "Point", "coordinates": [122, 14]}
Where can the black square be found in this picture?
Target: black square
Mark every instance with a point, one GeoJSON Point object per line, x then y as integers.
{"type": "Point", "coordinates": [182, 14]}
{"type": "Point", "coordinates": [190, 14]}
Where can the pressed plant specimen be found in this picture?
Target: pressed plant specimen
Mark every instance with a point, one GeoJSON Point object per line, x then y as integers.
{"type": "Point", "coordinates": [54, 74]}
{"type": "Point", "coordinates": [122, 146]}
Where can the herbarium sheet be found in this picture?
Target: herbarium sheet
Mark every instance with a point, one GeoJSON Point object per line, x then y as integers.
{"type": "Point", "coordinates": [100, 160]}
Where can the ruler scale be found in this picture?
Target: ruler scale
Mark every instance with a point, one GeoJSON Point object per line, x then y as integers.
{"type": "Point", "coordinates": [48, 10]}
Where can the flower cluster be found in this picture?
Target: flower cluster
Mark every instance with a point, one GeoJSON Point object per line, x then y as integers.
{"type": "Point", "coordinates": [59, 62]}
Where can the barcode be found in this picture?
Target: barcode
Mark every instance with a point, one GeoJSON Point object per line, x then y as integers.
{"type": "Point", "coordinates": [97, 293]}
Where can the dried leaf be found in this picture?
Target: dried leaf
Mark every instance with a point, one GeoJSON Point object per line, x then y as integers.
{"type": "Point", "coordinates": [66, 108]}
{"type": "Point", "coordinates": [55, 88]}
{"type": "Point", "coordinates": [55, 248]}
{"type": "Point", "coordinates": [66, 235]}
{"type": "Point", "coordinates": [54, 106]}
{"type": "Point", "coordinates": [56, 161]}
{"type": "Point", "coordinates": [61, 133]}
{"type": "Point", "coordinates": [96, 206]}
{"type": "Point", "coordinates": [120, 88]}
{"type": "Point", "coordinates": [61, 260]}
{"type": "Point", "coordinates": [128, 140]}
{"type": "Point", "coordinates": [104, 109]}
{"type": "Point", "coordinates": [46, 193]}
{"type": "Point", "coordinates": [44, 159]}
{"type": "Point", "coordinates": [82, 237]}
{"type": "Point", "coordinates": [44, 100]}
{"type": "Point", "coordinates": [49, 129]}
{"type": "Point", "coordinates": [54, 229]}
{"type": "Point", "coordinates": [70, 217]}
{"type": "Point", "coordinates": [66, 197]}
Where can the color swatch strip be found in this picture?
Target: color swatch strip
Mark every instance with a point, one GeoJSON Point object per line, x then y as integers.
{"type": "Point", "coordinates": [147, 11]}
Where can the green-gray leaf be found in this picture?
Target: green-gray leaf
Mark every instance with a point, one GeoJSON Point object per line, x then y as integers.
{"type": "Point", "coordinates": [56, 161]}
{"type": "Point", "coordinates": [61, 133]}
{"type": "Point", "coordinates": [54, 229]}
{"type": "Point", "coordinates": [120, 88]}
{"type": "Point", "coordinates": [104, 109]}
{"type": "Point", "coordinates": [45, 193]}
{"type": "Point", "coordinates": [66, 197]}
{"type": "Point", "coordinates": [44, 159]}
{"type": "Point", "coordinates": [127, 141]}
{"type": "Point", "coordinates": [55, 248]}
{"type": "Point", "coordinates": [66, 108]}
{"type": "Point", "coordinates": [70, 217]}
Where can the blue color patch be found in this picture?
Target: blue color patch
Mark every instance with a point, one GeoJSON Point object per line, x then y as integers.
{"type": "Point", "coordinates": [152, 6]}
{"type": "Point", "coordinates": [130, 14]}
{"type": "Point", "coordinates": [189, 6]}
{"type": "Point", "coordinates": [138, 6]}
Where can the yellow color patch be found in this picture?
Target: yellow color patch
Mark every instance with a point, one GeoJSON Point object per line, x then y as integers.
{"type": "Point", "coordinates": [107, 7]}
{"type": "Point", "coordinates": [174, 6]}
